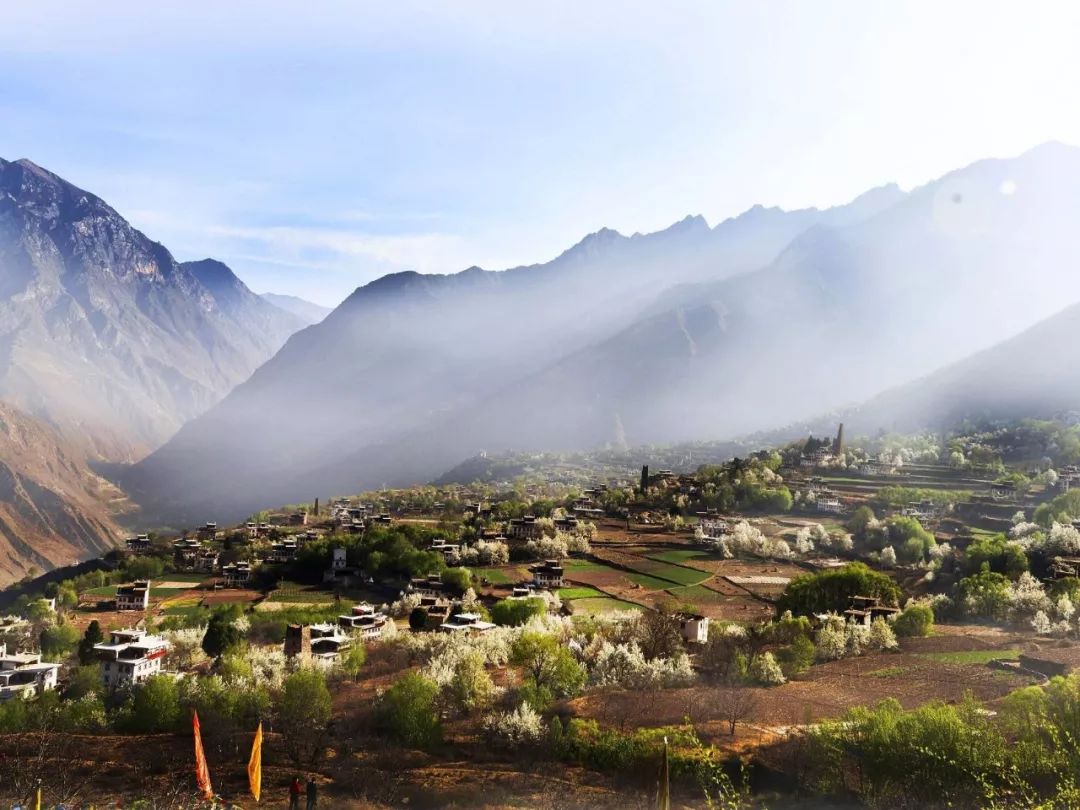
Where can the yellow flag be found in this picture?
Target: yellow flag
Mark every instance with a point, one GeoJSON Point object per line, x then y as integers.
{"type": "Point", "coordinates": [37, 800]}
{"type": "Point", "coordinates": [254, 769]}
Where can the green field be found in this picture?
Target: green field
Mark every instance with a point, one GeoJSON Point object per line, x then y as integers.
{"type": "Point", "coordinates": [581, 592]}
{"type": "Point", "coordinates": [677, 556]}
{"type": "Point", "coordinates": [585, 565]}
{"type": "Point", "coordinates": [496, 576]}
{"type": "Point", "coordinates": [672, 573]}
{"type": "Point", "coordinates": [971, 656]}
{"type": "Point", "coordinates": [602, 604]}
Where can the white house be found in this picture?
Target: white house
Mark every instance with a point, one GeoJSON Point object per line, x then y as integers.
{"type": "Point", "coordinates": [548, 574]}
{"type": "Point", "coordinates": [133, 596]}
{"type": "Point", "coordinates": [365, 621]}
{"type": "Point", "coordinates": [24, 674]}
{"type": "Point", "coordinates": [130, 657]}
{"type": "Point", "coordinates": [327, 644]}
{"type": "Point", "coordinates": [465, 622]}
{"type": "Point", "coordinates": [695, 628]}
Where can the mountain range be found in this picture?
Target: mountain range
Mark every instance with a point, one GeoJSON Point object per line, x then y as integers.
{"type": "Point", "coordinates": [692, 332]}
{"type": "Point", "coordinates": [946, 298]}
{"type": "Point", "coordinates": [103, 334]}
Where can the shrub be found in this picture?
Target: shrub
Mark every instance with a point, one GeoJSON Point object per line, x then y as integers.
{"type": "Point", "coordinates": [914, 621]}
{"type": "Point", "coordinates": [765, 671]}
{"type": "Point", "coordinates": [516, 728]}
{"type": "Point", "coordinates": [881, 636]}
{"type": "Point", "coordinates": [797, 657]}
{"type": "Point", "coordinates": [516, 612]}
{"type": "Point", "coordinates": [407, 711]}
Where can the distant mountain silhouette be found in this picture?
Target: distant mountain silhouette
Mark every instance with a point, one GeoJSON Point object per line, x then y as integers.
{"type": "Point", "coordinates": [306, 311]}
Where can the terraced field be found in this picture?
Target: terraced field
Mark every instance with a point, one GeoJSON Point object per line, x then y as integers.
{"type": "Point", "coordinates": [599, 605]}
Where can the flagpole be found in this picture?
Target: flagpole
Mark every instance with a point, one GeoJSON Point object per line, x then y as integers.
{"type": "Point", "coordinates": [663, 797]}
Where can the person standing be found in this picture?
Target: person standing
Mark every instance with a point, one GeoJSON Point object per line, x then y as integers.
{"type": "Point", "coordinates": [294, 793]}
{"type": "Point", "coordinates": [312, 793]}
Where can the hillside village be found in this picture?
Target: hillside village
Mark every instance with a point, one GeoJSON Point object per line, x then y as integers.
{"type": "Point", "coordinates": [774, 607]}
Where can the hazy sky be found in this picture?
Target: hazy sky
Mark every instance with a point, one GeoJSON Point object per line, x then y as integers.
{"type": "Point", "coordinates": [314, 146]}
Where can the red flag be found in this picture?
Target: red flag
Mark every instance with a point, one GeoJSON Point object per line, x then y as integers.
{"type": "Point", "coordinates": [202, 771]}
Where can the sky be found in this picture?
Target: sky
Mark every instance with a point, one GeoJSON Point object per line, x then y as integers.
{"type": "Point", "coordinates": [316, 146]}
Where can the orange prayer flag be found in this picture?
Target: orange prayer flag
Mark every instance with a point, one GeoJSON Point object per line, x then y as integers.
{"type": "Point", "coordinates": [254, 768]}
{"type": "Point", "coordinates": [202, 770]}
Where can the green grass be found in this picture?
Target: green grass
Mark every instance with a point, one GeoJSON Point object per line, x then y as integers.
{"type": "Point", "coordinates": [196, 578]}
{"type": "Point", "coordinates": [582, 592]}
{"type": "Point", "coordinates": [585, 565]}
{"type": "Point", "coordinates": [971, 656]}
{"type": "Point", "coordinates": [672, 573]}
{"type": "Point", "coordinates": [496, 576]}
{"type": "Point", "coordinates": [104, 590]}
{"type": "Point", "coordinates": [677, 556]}
{"type": "Point", "coordinates": [602, 604]}
{"type": "Point", "coordinates": [652, 583]}
{"type": "Point", "coordinates": [888, 672]}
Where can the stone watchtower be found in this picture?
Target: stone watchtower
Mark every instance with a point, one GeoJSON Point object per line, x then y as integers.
{"type": "Point", "coordinates": [298, 641]}
{"type": "Point", "coordinates": [838, 445]}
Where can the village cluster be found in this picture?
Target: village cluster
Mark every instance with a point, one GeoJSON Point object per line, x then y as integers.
{"type": "Point", "coordinates": [488, 606]}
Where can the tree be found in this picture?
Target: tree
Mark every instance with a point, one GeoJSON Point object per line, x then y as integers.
{"type": "Point", "coordinates": [407, 711]}
{"type": "Point", "coordinates": [144, 568]}
{"type": "Point", "coordinates": [221, 633]}
{"type": "Point", "coordinates": [457, 578]}
{"type": "Point", "coordinates": [735, 701]}
{"type": "Point", "coordinates": [861, 520]}
{"type": "Point", "coordinates": [471, 687]}
{"type": "Point", "coordinates": [516, 612]}
{"type": "Point", "coordinates": [39, 612]}
{"type": "Point", "coordinates": [84, 680]}
{"type": "Point", "coordinates": [59, 640]}
{"type": "Point", "coordinates": [66, 595]}
{"type": "Point", "coordinates": [418, 618]}
{"type": "Point", "coordinates": [765, 671]}
{"type": "Point", "coordinates": [915, 621]}
{"type": "Point", "coordinates": [659, 632]}
{"type": "Point", "coordinates": [985, 593]}
{"type": "Point", "coordinates": [153, 706]}
{"type": "Point", "coordinates": [353, 661]}
{"type": "Point", "coordinates": [881, 636]}
{"type": "Point", "coordinates": [304, 715]}
{"type": "Point", "coordinates": [551, 670]}
{"type": "Point", "coordinates": [831, 591]}
{"type": "Point", "coordinates": [797, 657]}
{"type": "Point", "coordinates": [92, 636]}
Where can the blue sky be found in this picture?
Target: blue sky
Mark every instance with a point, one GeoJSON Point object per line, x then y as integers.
{"type": "Point", "coordinates": [315, 146]}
